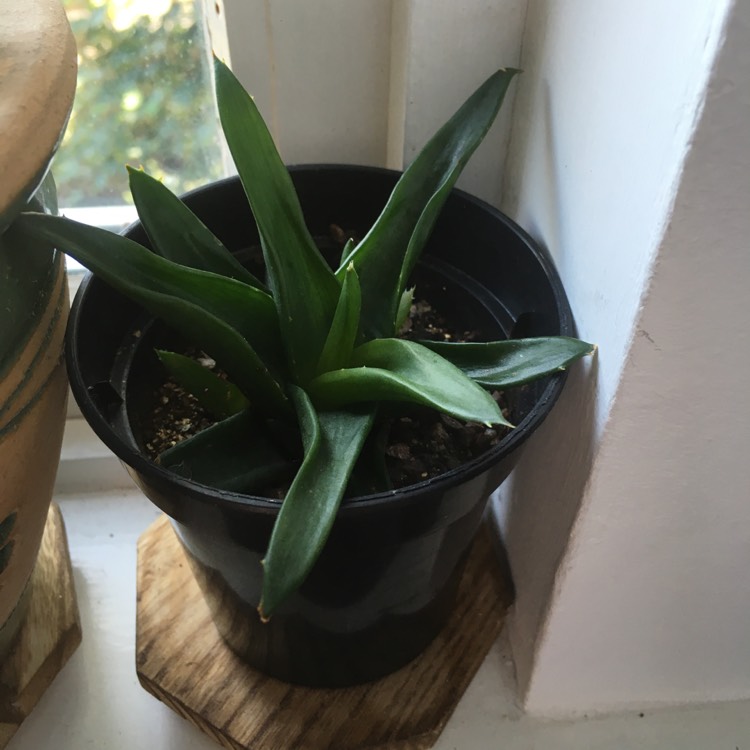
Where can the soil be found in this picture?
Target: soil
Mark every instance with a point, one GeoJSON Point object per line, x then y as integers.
{"type": "Point", "coordinates": [421, 443]}
{"type": "Point", "coordinates": [176, 416]}
{"type": "Point", "coordinates": [427, 444]}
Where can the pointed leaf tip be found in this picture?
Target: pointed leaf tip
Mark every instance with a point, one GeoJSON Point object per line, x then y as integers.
{"type": "Point", "coordinates": [389, 251]}
{"type": "Point", "coordinates": [503, 364]}
{"type": "Point", "coordinates": [305, 289]}
{"type": "Point", "coordinates": [263, 618]}
{"type": "Point", "coordinates": [332, 441]}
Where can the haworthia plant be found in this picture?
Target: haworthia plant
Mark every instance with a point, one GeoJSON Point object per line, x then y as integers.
{"type": "Point", "coordinates": [311, 351]}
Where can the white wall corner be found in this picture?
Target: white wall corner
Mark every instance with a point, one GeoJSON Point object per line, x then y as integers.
{"type": "Point", "coordinates": [398, 84]}
{"type": "Point", "coordinates": [319, 73]}
{"type": "Point", "coordinates": [633, 171]}
{"type": "Point", "coordinates": [369, 83]}
{"type": "Point", "coordinates": [441, 51]}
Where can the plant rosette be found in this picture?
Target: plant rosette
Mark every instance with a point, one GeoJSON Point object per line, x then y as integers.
{"type": "Point", "coordinates": [329, 586]}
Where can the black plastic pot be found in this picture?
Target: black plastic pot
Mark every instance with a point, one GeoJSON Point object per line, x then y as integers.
{"type": "Point", "coordinates": [386, 580]}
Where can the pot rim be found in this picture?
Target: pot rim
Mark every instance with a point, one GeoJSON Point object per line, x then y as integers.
{"type": "Point", "coordinates": [509, 443]}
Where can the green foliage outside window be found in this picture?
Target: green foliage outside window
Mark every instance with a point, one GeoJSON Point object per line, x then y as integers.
{"type": "Point", "coordinates": [144, 97]}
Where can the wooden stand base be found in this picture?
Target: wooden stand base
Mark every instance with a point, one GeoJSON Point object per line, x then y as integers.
{"type": "Point", "coordinates": [182, 660]}
{"type": "Point", "coordinates": [51, 631]}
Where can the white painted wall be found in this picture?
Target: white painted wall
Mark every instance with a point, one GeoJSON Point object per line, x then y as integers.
{"type": "Point", "coordinates": [368, 82]}
{"type": "Point", "coordinates": [604, 115]}
{"type": "Point", "coordinates": [615, 165]}
{"type": "Point", "coordinates": [441, 51]}
{"type": "Point", "coordinates": [318, 71]}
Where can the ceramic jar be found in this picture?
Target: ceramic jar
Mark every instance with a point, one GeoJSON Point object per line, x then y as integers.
{"type": "Point", "coordinates": [33, 394]}
{"type": "Point", "coordinates": [37, 86]}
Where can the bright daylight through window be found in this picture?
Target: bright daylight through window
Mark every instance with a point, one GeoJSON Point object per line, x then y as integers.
{"type": "Point", "coordinates": [143, 98]}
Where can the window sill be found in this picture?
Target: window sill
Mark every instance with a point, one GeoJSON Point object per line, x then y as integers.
{"type": "Point", "coordinates": [93, 701]}
{"type": "Point", "coordinates": [86, 464]}
{"type": "Point", "coordinates": [96, 698]}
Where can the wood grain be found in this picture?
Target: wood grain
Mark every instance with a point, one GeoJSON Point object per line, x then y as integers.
{"type": "Point", "coordinates": [50, 634]}
{"type": "Point", "coordinates": [182, 660]}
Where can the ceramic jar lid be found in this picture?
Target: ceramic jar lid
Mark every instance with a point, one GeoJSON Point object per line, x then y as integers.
{"type": "Point", "coordinates": [38, 67]}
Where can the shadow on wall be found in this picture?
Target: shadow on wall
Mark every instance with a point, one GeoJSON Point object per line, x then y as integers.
{"type": "Point", "coordinates": [535, 510]}
{"type": "Point", "coordinates": [533, 168]}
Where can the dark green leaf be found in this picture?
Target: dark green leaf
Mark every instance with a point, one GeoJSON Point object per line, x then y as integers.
{"type": "Point", "coordinates": [332, 443]}
{"type": "Point", "coordinates": [231, 351]}
{"type": "Point", "coordinates": [398, 370]}
{"type": "Point", "coordinates": [386, 256]}
{"type": "Point", "coordinates": [343, 334]}
{"type": "Point", "coordinates": [130, 267]}
{"type": "Point", "coordinates": [177, 234]}
{"type": "Point", "coordinates": [370, 473]}
{"type": "Point", "coordinates": [304, 287]}
{"type": "Point", "coordinates": [193, 302]}
{"type": "Point", "coordinates": [234, 455]}
{"type": "Point", "coordinates": [218, 396]}
{"type": "Point", "coordinates": [502, 364]}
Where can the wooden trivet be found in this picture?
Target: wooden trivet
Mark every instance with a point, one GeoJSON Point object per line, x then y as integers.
{"type": "Point", "coordinates": [50, 634]}
{"type": "Point", "coordinates": [182, 660]}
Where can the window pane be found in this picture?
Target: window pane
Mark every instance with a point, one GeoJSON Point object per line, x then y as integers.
{"type": "Point", "coordinates": [144, 98]}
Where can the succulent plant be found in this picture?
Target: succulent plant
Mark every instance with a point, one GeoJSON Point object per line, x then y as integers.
{"type": "Point", "coordinates": [315, 351]}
